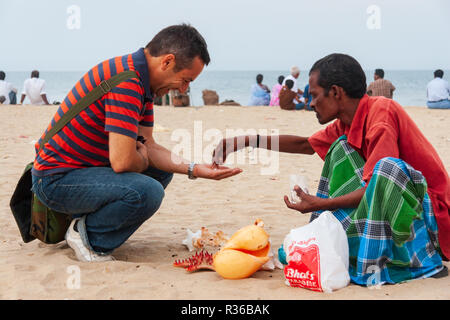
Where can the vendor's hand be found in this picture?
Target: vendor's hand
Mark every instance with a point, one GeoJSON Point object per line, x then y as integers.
{"type": "Point", "coordinates": [214, 171]}
{"type": "Point", "coordinates": [223, 149]}
{"type": "Point", "coordinates": [308, 203]}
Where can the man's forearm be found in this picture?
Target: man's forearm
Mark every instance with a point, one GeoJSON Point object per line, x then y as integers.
{"type": "Point", "coordinates": [163, 159]}
{"type": "Point", "coordinates": [350, 200]}
{"type": "Point", "coordinates": [285, 143]}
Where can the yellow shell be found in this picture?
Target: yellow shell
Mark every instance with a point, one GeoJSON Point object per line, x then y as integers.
{"type": "Point", "coordinates": [244, 254]}
{"type": "Point", "coordinates": [235, 264]}
{"type": "Point", "coordinates": [248, 238]}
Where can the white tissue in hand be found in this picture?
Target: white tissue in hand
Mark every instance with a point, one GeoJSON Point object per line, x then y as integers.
{"type": "Point", "coordinates": [299, 180]}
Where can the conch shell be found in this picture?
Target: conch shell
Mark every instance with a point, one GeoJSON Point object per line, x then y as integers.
{"type": "Point", "coordinates": [244, 254]}
{"type": "Point", "coordinates": [203, 238]}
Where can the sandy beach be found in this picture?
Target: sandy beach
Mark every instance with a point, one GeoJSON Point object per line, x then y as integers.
{"type": "Point", "coordinates": [143, 269]}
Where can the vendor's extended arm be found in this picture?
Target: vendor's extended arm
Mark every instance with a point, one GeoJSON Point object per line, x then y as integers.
{"type": "Point", "coordinates": [311, 203]}
{"type": "Point", "coordinates": [163, 159]}
{"type": "Point", "coordinates": [282, 143]}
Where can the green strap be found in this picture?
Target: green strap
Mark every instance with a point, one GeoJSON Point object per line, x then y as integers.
{"type": "Point", "coordinates": [103, 88]}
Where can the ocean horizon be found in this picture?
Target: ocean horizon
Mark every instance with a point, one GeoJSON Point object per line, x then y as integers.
{"type": "Point", "coordinates": [236, 84]}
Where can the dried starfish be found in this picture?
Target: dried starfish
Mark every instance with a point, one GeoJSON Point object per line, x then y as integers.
{"type": "Point", "coordinates": [200, 260]}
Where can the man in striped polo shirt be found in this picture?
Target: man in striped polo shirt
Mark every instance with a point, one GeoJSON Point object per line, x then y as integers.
{"type": "Point", "coordinates": [95, 170]}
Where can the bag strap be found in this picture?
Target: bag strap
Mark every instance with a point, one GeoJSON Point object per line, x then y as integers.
{"type": "Point", "coordinates": [99, 91]}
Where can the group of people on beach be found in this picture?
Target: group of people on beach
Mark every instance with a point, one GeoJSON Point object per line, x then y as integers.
{"type": "Point", "coordinates": [285, 93]}
{"type": "Point", "coordinates": [288, 96]}
{"type": "Point", "coordinates": [381, 177]}
{"type": "Point", "coordinates": [33, 88]}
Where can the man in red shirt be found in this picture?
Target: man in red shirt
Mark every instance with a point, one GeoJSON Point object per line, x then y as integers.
{"type": "Point", "coordinates": [382, 178]}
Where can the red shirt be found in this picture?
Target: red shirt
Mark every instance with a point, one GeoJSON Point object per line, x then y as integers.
{"type": "Point", "coordinates": [382, 128]}
{"type": "Point", "coordinates": [83, 142]}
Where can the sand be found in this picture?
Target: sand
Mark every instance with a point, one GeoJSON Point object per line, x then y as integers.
{"type": "Point", "coordinates": [143, 269]}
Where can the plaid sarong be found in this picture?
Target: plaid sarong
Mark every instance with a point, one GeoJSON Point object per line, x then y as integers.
{"type": "Point", "coordinates": [392, 235]}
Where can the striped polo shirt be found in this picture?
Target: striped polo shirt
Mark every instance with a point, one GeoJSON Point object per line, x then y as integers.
{"type": "Point", "coordinates": [83, 142]}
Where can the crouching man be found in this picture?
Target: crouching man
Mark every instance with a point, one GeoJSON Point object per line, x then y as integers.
{"type": "Point", "coordinates": [95, 170]}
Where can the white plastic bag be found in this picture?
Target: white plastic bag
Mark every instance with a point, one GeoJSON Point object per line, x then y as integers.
{"type": "Point", "coordinates": [317, 255]}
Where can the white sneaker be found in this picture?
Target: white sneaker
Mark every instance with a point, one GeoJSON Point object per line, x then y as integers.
{"type": "Point", "coordinates": [83, 253]}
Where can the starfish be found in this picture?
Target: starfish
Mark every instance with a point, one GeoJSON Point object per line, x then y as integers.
{"type": "Point", "coordinates": [200, 260]}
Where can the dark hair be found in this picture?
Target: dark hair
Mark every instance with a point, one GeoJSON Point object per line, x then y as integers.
{"type": "Point", "coordinates": [380, 73]}
{"type": "Point", "coordinates": [289, 83]}
{"type": "Point", "coordinates": [438, 73]}
{"type": "Point", "coordinates": [259, 78]}
{"type": "Point", "coordinates": [35, 74]}
{"type": "Point", "coordinates": [280, 79]}
{"type": "Point", "coordinates": [183, 41]}
{"type": "Point", "coordinates": [343, 71]}
{"type": "Point", "coordinates": [2, 75]}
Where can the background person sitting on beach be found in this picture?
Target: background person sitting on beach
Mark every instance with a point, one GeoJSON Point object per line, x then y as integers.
{"type": "Point", "coordinates": [438, 92]}
{"type": "Point", "coordinates": [380, 86]}
{"type": "Point", "coordinates": [260, 94]}
{"type": "Point", "coordinates": [34, 89]}
{"type": "Point", "coordinates": [95, 170]}
{"type": "Point", "coordinates": [274, 96]}
{"type": "Point", "coordinates": [7, 90]}
{"type": "Point", "coordinates": [287, 96]}
{"type": "Point", "coordinates": [295, 73]}
{"type": "Point", "coordinates": [307, 96]}
{"type": "Point", "coordinates": [381, 178]}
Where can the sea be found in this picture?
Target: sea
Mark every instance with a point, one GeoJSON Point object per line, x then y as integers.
{"type": "Point", "coordinates": [236, 85]}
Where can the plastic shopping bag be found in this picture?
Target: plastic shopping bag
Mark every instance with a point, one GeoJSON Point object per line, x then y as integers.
{"type": "Point", "coordinates": [317, 255]}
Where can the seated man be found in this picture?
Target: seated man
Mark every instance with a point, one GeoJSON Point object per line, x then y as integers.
{"type": "Point", "coordinates": [260, 95]}
{"type": "Point", "coordinates": [305, 100]}
{"type": "Point", "coordinates": [287, 97]}
{"type": "Point", "coordinates": [380, 86]}
{"type": "Point", "coordinates": [438, 92]}
{"type": "Point", "coordinates": [34, 89]}
{"type": "Point", "coordinates": [7, 91]}
{"type": "Point", "coordinates": [381, 178]}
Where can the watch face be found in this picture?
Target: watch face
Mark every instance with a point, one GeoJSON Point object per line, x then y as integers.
{"type": "Point", "coordinates": [191, 171]}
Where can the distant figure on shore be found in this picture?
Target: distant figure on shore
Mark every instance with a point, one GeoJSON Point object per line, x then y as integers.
{"type": "Point", "coordinates": [438, 92]}
{"type": "Point", "coordinates": [8, 94]}
{"type": "Point", "coordinates": [274, 96]}
{"type": "Point", "coordinates": [34, 89]}
{"type": "Point", "coordinates": [260, 95]}
{"type": "Point", "coordinates": [287, 97]}
{"type": "Point", "coordinates": [380, 86]}
{"type": "Point", "coordinates": [305, 100]}
{"type": "Point", "coordinates": [295, 73]}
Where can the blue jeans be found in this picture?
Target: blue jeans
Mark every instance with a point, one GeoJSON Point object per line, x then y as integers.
{"type": "Point", "coordinates": [111, 206]}
{"type": "Point", "coordinates": [443, 104]}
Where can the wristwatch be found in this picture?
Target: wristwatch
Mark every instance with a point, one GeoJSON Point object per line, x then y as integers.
{"type": "Point", "coordinates": [191, 171]}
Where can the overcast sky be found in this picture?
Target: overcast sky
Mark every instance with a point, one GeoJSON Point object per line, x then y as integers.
{"type": "Point", "coordinates": [60, 35]}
